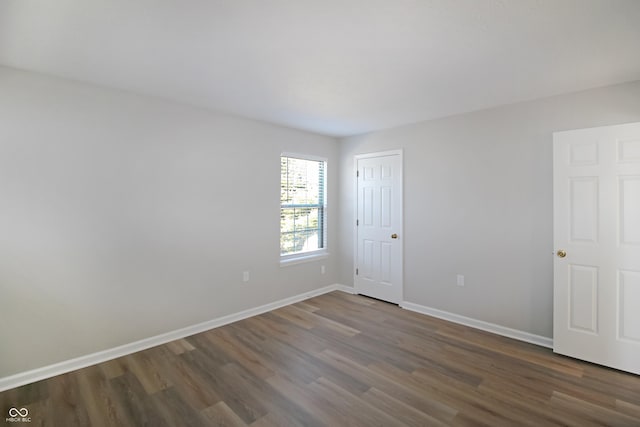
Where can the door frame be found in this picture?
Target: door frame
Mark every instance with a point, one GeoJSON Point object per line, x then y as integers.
{"type": "Point", "coordinates": [356, 158]}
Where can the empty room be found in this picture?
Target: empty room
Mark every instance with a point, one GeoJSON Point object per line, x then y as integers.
{"type": "Point", "coordinates": [320, 213]}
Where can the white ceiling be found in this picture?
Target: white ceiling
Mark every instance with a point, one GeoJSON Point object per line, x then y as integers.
{"type": "Point", "coordinates": [337, 67]}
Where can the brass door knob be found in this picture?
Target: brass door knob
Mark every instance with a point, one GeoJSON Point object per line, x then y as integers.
{"type": "Point", "coordinates": [561, 253]}
{"type": "Point", "coordinates": [394, 236]}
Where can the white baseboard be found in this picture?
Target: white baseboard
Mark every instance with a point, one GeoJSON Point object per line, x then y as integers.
{"type": "Point", "coordinates": [347, 289]}
{"type": "Point", "coordinates": [49, 371]}
{"type": "Point", "coordinates": [480, 324]}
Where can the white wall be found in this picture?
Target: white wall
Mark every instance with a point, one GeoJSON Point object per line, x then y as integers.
{"type": "Point", "coordinates": [123, 217]}
{"type": "Point", "coordinates": [478, 202]}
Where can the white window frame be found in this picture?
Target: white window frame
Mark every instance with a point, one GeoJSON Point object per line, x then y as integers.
{"type": "Point", "coordinates": [302, 257]}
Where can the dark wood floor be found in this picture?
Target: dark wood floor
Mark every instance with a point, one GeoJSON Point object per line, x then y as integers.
{"type": "Point", "coordinates": [336, 360]}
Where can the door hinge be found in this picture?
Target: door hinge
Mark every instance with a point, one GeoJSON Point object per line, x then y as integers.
{"type": "Point", "coordinates": [357, 174]}
{"type": "Point", "coordinates": [357, 222]}
{"type": "Point", "coordinates": [356, 271]}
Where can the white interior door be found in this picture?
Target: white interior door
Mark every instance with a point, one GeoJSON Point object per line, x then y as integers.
{"type": "Point", "coordinates": [597, 225]}
{"type": "Point", "coordinates": [379, 226]}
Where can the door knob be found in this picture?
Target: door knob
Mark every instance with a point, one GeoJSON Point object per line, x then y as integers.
{"type": "Point", "coordinates": [394, 236]}
{"type": "Point", "coordinates": [561, 253]}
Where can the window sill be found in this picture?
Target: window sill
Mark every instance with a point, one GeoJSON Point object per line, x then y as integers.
{"type": "Point", "coordinates": [303, 258]}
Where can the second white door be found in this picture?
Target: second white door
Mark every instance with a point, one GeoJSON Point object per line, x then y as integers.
{"type": "Point", "coordinates": [597, 242]}
{"type": "Point", "coordinates": [379, 226]}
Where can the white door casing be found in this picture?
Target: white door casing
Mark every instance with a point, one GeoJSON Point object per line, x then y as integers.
{"type": "Point", "coordinates": [597, 224]}
{"type": "Point", "coordinates": [379, 247]}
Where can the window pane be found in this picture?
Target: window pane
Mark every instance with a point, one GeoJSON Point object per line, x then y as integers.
{"type": "Point", "coordinates": [300, 230]}
{"type": "Point", "coordinates": [301, 181]}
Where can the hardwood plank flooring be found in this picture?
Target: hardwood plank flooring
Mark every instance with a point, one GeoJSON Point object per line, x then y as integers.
{"type": "Point", "coordinates": [336, 360]}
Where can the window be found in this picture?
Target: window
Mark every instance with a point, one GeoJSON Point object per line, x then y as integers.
{"type": "Point", "coordinates": [302, 205]}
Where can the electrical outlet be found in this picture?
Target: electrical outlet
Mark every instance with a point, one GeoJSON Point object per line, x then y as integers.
{"type": "Point", "coordinates": [460, 280]}
{"type": "Point", "coordinates": [245, 276]}
{"type": "Point", "coordinates": [322, 269]}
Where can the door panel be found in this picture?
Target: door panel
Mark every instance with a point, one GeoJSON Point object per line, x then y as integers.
{"type": "Point", "coordinates": [583, 207]}
{"type": "Point", "coordinates": [583, 301]}
{"type": "Point", "coordinates": [583, 154]}
{"type": "Point", "coordinates": [597, 223]}
{"type": "Point", "coordinates": [629, 291]}
{"type": "Point", "coordinates": [629, 150]}
{"type": "Point", "coordinates": [630, 210]}
{"type": "Point", "coordinates": [379, 216]}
